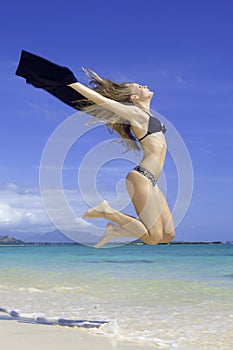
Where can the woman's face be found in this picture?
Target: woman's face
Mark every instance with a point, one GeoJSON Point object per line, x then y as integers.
{"type": "Point", "coordinates": [141, 92]}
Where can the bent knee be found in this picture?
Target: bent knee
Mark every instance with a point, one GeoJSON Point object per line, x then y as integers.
{"type": "Point", "coordinates": [172, 235]}
{"type": "Point", "coordinates": [168, 237]}
{"type": "Point", "coordinates": [160, 236]}
{"type": "Point", "coordinates": [155, 236]}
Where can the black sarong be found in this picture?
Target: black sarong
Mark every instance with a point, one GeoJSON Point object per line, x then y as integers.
{"type": "Point", "coordinates": [51, 77]}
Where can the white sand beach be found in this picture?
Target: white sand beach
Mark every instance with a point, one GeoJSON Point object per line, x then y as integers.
{"type": "Point", "coordinates": [31, 336]}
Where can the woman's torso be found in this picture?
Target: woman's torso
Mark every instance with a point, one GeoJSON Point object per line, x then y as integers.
{"type": "Point", "coordinates": [154, 153]}
{"type": "Point", "coordinates": [153, 147]}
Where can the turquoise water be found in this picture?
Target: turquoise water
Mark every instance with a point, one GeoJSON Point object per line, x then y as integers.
{"type": "Point", "coordinates": [174, 296]}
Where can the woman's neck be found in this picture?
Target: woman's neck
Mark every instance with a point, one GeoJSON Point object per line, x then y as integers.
{"type": "Point", "coordinates": [145, 105]}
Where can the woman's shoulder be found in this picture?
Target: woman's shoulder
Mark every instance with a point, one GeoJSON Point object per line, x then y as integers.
{"type": "Point", "coordinates": [138, 115]}
{"type": "Point", "coordinates": [137, 118]}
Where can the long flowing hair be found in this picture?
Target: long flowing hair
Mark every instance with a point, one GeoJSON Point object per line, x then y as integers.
{"type": "Point", "coordinates": [116, 91]}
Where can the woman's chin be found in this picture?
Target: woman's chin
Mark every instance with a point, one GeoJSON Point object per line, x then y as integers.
{"type": "Point", "coordinates": [150, 94]}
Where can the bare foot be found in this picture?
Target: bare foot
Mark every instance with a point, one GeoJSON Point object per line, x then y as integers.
{"type": "Point", "coordinates": [110, 233]}
{"type": "Point", "coordinates": [99, 211]}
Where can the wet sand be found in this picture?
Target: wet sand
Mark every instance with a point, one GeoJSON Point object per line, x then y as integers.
{"type": "Point", "coordinates": [31, 336]}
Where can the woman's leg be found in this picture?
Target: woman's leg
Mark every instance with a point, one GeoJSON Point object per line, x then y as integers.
{"type": "Point", "coordinates": [166, 216]}
{"type": "Point", "coordinates": [150, 226]}
{"type": "Point", "coordinates": [147, 206]}
{"type": "Point", "coordinates": [112, 232]}
{"type": "Point", "coordinates": [103, 210]}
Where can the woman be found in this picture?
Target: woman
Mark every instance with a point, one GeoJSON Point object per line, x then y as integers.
{"type": "Point", "coordinates": [126, 109]}
{"type": "Point", "coordinates": [155, 224]}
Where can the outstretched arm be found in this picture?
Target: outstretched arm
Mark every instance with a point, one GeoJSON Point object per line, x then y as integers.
{"type": "Point", "coordinates": [131, 113]}
{"type": "Point", "coordinates": [61, 82]}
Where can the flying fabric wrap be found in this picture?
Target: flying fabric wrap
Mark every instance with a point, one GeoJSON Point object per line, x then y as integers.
{"type": "Point", "coordinates": [52, 78]}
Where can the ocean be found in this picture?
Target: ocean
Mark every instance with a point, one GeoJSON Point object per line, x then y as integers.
{"type": "Point", "coordinates": [175, 296]}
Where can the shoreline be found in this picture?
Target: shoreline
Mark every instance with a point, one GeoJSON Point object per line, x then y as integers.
{"type": "Point", "coordinates": [31, 244]}
{"type": "Point", "coordinates": [23, 335]}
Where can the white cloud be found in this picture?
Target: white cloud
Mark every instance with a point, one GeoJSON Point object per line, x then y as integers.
{"type": "Point", "coordinates": [22, 210]}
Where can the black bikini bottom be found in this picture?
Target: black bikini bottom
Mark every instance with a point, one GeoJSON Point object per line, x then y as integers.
{"type": "Point", "coordinates": [146, 173]}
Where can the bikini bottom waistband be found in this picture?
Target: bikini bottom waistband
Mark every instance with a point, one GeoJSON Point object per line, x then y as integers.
{"type": "Point", "coordinates": [146, 173]}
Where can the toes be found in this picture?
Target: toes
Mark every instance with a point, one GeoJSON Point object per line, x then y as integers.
{"type": "Point", "coordinates": [98, 245]}
{"type": "Point", "coordinates": [85, 215]}
{"type": "Point", "coordinates": [88, 214]}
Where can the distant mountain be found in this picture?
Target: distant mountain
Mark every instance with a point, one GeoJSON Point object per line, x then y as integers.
{"type": "Point", "coordinates": [54, 237]}
{"type": "Point", "coordinates": [49, 237]}
{"type": "Point", "coordinates": [22, 238]}
{"type": "Point", "coordinates": [9, 240]}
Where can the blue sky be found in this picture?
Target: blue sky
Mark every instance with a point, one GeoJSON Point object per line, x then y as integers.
{"type": "Point", "coordinates": [181, 49]}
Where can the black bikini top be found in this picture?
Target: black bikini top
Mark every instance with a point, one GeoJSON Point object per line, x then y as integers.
{"type": "Point", "coordinates": [154, 126]}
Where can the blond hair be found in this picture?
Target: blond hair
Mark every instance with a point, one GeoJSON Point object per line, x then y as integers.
{"type": "Point", "coordinates": [116, 91]}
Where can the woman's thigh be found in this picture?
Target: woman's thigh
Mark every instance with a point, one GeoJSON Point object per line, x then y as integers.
{"type": "Point", "coordinates": [145, 201]}
{"type": "Point", "coordinates": [166, 216]}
